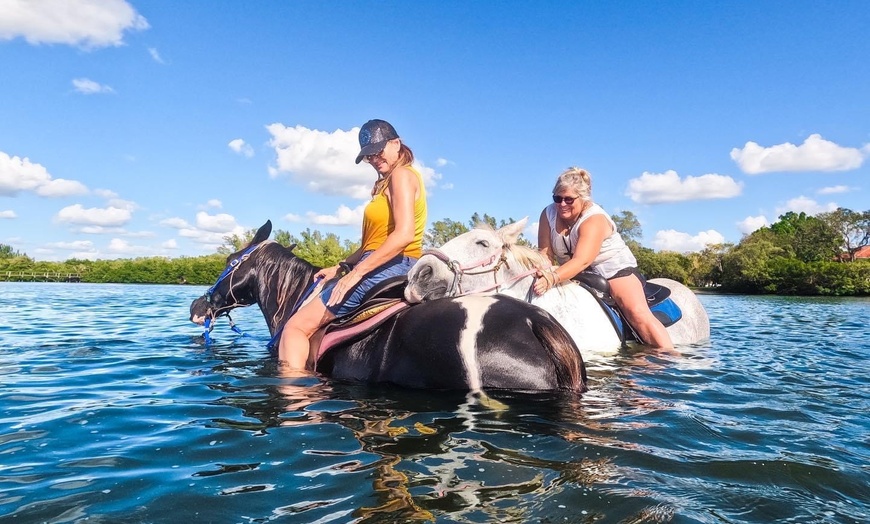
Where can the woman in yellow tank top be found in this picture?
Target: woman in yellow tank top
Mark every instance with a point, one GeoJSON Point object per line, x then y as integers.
{"type": "Point", "coordinates": [392, 240]}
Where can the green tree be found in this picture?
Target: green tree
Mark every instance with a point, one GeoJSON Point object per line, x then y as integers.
{"type": "Point", "coordinates": [663, 264]}
{"type": "Point", "coordinates": [443, 230]}
{"type": "Point", "coordinates": [234, 242]}
{"type": "Point", "coordinates": [853, 227]}
{"type": "Point", "coordinates": [319, 249]}
{"type": "Point", "coordinates": [6, 251]}
{"type": "Point", "coordinates": [745, 268]}
{"type": "Point", "coordinates": [706, 266]}
{"type": "Point", "coordinates": [628, 226]}
{"type": "Point", "coordinates": [807, 238]}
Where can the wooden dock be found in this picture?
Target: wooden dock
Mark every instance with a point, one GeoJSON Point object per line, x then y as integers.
{"type": "Point", "coordinates": [35, 276]}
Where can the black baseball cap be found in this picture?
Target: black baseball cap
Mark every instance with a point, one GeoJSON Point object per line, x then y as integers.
{"type": "Point", "coordinates": [373, 137]}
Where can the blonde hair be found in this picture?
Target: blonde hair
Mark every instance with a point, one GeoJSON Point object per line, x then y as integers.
{"type": "Point", "coordinates": [577, 180]}
{"type": "Point", "coordinates": [406, 156]}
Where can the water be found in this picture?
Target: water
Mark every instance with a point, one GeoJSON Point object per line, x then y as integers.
{"type": "Point", "coordinates": [111, 410]}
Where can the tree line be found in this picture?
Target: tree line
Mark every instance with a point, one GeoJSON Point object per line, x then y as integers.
{"type": "Point", "coordinates": [799, 254]}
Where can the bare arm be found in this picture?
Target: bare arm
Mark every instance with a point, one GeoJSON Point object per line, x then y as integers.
{"type": "Point", "coordinates": [402, 194]}
{"type": "Point", "coordinates": [544, 245]}
{"type": "Point", "coordinates": [403, 191]}
{"type": "Point", "coordinates": [592, 233]}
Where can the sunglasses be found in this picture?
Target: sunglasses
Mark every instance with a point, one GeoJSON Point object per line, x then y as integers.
{"type": "Point", "coordinates": [368, 158]}
{"type": "Point", "coordinates": [568, 200]}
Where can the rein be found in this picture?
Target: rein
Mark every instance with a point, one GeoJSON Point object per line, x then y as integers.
{"type": "Point", "coordinates": [499, 258]}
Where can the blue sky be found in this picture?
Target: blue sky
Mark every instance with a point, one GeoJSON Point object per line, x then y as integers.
{"type": "Point", "coordinates": [141, 128]}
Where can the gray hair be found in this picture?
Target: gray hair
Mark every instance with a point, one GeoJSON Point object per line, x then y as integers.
{"type": "Point", "coordinates": [577, 180]}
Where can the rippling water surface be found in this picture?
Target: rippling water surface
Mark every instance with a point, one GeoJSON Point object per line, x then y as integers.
{"type": "Point", "coordinates": [112, 410]}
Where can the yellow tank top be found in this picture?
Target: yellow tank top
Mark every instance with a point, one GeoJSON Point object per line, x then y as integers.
{"type": "Point", "coordinates": [378, 221]}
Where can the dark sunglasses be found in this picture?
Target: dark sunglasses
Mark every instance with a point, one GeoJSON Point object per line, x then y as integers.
{"type": "Point", "coordinates": [568, 200]}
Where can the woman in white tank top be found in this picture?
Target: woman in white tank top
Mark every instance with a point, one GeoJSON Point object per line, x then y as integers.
{"type": "Point", "coordinates": [578, 234]}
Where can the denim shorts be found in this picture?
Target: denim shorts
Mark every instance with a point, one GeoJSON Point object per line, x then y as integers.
{"type": "Point", "coordinates": [399, 265]}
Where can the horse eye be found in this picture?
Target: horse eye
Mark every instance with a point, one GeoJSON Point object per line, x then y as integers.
{"type": "Point", "coordinates": [483, 243]}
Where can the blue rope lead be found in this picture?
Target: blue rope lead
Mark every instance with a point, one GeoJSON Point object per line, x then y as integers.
{"type": "Point", "coordinates": [207, 329]}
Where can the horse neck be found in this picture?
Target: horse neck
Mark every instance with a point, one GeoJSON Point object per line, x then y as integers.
{"type": "Point", "coordinates": [282, 278]}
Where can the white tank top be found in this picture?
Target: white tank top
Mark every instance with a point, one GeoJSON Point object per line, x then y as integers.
{"type": "Point", "coordinates": [614, 254]}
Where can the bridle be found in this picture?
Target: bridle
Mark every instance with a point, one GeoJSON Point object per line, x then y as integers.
{"type": "Point", "coordinates": [228, 272]}
{"type": "Point", "coordinates": [497, 259]}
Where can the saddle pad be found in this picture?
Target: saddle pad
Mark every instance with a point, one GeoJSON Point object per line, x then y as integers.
{"type": "Point", "coordinates": [361, 323]}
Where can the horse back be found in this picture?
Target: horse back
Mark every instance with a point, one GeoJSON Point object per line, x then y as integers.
{"type": "Point", "coordinates": [467, 343]}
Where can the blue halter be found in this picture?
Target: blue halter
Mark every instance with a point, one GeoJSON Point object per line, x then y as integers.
{"type": "Point", "coordinates": [231, 267]}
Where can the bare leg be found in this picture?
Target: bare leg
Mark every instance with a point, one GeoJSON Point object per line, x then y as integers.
{"type": "Point", "coordinates": [628, 293]}
{"type": "Point", "coordinates": [294, 348]}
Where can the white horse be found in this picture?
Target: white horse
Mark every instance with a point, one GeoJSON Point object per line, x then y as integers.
{"type": "Point", "coordinates": [484, 260]}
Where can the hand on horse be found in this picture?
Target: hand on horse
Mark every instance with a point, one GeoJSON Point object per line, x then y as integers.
{"type": "Point", "coordinates": [345, 284]}
{"type": "Point", "coordinates": [327, 272]}
{"type": "Point", "coordinates": [547, 278]}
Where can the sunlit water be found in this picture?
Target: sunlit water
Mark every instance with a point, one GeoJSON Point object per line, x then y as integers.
{"type": "Point", "coordinates": [112, 410]}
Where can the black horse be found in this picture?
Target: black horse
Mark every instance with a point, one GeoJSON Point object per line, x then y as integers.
{"type": "Point", "coordinates": [468, 343]}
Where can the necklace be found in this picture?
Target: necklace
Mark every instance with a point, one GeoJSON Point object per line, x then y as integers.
{"type": "Point", "coordinates": [566, 236]}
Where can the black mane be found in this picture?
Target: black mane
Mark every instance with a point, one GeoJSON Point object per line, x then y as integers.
{"type": "Point", "coordinates": [282, 277]}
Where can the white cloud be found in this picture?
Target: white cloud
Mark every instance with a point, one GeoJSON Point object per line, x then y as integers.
{"type": "Point", "coordinates": [84, 255]}
{"type": "Point", "coordinates": [671, 240]}
{"type": "Point", "coordinates": [8, 213]}
{"type": "Point", "coordinates": [175, 222]}
{"type": "Point", "coordinates": [104, 217]}
{"type": "Point", "coordinates": [87, 86]}
{"type": "Point", "coordinates": [169, 244]}
{"type": "Point", "coordinates": [20, 174]}
{"type": "Point", "coordinates": [831, 190]}
{"type": "Point", "coordinates": [750, 224]}
{"type": "Point", "coordinates": [344, 216]}
{"type": "Point", "coordinates": [118, 245]}
{"type": "Point", "coordinates": [241, 147]}
{"type": "Point", "coordinates": [209, 230]}
{"type": "Point", "coordinates": [806, 205]}
{"type": "Point", "coordinates": [100, 230]}
{"type": "Point", "coordinates": [60, 187]}
{"type": "Point", "coordinates": [219, 223]}
{"type": "Point", "coordinates": [657, 188]}
{"type": "Point", "coordinates": [441, 162]}
{"type": "Point", "coordinates": [215, 203]}
{"type": "Point", "coordinates": [83, 23]}
{"type": "Point", "coordinates": [75, 245]}
{"type": "Point", "coordinates": [447, 185]}
{"type": "Point", "coordinates": [155, 55]}
{"type": "Point", "coordinates": [324, 162]}
{"type": "Point", "coordinates": [531, 232]}
{"type": "Point", "coordinates": [815, 154]}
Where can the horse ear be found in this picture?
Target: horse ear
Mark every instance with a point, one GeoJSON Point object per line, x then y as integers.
{"type": "Point", "coordinates": [263, 233]}
{"type": "Point", "coordinates": [511, 232]}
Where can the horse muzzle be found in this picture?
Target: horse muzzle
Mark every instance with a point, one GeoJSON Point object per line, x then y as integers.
{"type": "Point", "coordinates": [200, 310]}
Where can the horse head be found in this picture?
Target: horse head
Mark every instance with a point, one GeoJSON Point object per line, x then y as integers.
{"type": "Point", "coordinates": [236, 285]}
{"type": "Point", "coordinates": [483, 260]}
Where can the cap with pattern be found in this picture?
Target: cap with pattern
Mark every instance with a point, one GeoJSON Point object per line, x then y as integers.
{"type": "Point", "coordinates": [373, 137]}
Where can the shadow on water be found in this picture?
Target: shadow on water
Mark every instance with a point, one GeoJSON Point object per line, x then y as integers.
{"type": "Point", "coordinates": [502, 456]}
